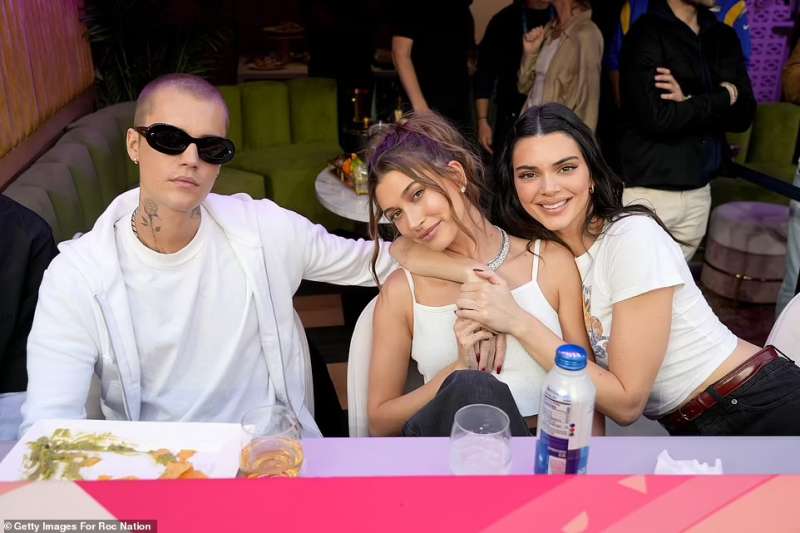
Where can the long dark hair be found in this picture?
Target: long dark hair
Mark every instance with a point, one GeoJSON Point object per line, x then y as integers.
{"type": "Point", "coordinates": [421, 146]}
{"type": "Point", "coordinates": [605, 203]}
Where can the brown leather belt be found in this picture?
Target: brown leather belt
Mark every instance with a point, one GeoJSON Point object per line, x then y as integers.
{"type": "Point", "coordinates": [727, 384]}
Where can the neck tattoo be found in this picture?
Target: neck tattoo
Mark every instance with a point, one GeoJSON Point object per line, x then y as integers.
{"type": "Point", "coordinates": [500, 258]}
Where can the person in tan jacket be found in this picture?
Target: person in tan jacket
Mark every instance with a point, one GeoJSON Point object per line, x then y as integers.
{"type": "Point", "coordinates": [561, 62]}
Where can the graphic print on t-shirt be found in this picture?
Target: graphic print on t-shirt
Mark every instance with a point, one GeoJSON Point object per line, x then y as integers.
{"type": "Point", "coordinates": [594, 328]}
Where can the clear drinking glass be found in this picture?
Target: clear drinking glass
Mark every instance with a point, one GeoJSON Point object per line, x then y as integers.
{"type": "Point", "coordinates": [273, 447]}
{"type": "Point", "coordinates": [480, 442]}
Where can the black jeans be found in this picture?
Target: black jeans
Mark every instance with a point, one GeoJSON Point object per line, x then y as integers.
{"type": "Point", "coordinates": [461, 388]}
{"type": "Point", "coordinates": [768, 404]}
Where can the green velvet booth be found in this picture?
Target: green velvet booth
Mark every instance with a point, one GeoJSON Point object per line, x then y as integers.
{"type": "Point", "coordinates": [76, 179]}
{"type": "Point", "coordinates": [769, 147]}
{"type": "Point", "coordinates": [284, 132]}
{"type": "Point", "coordinates": [287, 132]}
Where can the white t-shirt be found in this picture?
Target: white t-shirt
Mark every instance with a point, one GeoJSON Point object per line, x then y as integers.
{"type": "Point", "coordinates": [634, 256]}
{"type": "Point", "coordinates": [196, 328]}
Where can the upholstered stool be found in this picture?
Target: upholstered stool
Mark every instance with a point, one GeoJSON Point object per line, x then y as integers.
{"type": "Point", "coordinates": [746, 250]}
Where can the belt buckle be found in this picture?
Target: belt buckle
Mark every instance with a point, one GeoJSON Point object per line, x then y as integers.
{"type": "Point", "coordinates": [690, 411]}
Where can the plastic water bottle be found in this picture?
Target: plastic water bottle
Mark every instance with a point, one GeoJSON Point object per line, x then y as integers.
{"type": "Point", "coordinates": [565, 415]}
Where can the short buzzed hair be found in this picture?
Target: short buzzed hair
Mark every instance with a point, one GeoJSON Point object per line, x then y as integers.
{"type": "Point", "coordinates": [189, 83]}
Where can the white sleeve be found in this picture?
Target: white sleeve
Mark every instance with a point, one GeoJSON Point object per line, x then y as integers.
{"type": "Point", "coordinates": [338, 260]}
{"type": "Point", "coordinates": [61, 349]}
{"type": "Point", "coordinates": [639, 257]}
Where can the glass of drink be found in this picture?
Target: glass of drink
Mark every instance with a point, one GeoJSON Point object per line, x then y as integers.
{"type": "Point", "coordinates": [360, 176]}
{"type": "Point", "coordinates": [480, 442]}
{"type": "Point", "coordinates": [272, 443]}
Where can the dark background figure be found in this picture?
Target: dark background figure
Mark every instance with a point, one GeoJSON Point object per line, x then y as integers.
{"type": "Point", "coordinates": [26, 248]}
{"type": "Point", "coordinates": [431, 44]}
{"type": "Point", "coordinates": [499, 55]}
{"type": "Point", "coordinates": [730, 12]}
{"type": "Point", "coordinates": [606, 15]}
{"type": "Point", "coordinates": [684, 84]}
{"type": "Point", "coordinates": [615, 18]}
{"type": "Point", "coordinates": [339, 47]}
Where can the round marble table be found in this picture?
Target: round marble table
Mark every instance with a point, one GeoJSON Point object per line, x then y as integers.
{"type": "Point", "coordinates": [338, 198]}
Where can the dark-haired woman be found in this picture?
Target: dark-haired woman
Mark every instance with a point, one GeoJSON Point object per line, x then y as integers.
{"type": "Point", "coordinates": [660, 350]}
{"type": "Point", "coordinates": [428, 183]}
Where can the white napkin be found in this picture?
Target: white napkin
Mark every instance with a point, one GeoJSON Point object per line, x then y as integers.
{"type": "Point", "coordinates": [667, 465]}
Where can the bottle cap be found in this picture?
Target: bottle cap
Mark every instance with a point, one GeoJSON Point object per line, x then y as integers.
{"type": "Point", "coordinates": [571, 357]}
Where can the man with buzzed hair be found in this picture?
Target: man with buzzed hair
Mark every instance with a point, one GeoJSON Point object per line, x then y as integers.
{"type": "Point", "coordinates": [180, 300]}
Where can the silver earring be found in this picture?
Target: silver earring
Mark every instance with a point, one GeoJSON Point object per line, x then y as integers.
{"type": "Point", "coordinates": [463, 189]}
{"type": "Point", "coordinates": [135, 161]}
{"type": "Point", "coordinates": [591, 188]}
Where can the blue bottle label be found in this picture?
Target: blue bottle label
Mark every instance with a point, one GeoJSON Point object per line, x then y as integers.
{"type": "Point", "coordinates": [553, 456]}
{"type": "Point", "coordinates": [563, 437]}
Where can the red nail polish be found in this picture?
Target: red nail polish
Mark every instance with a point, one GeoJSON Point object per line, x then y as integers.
{"type": "Point", "coordinates": [499, 369]}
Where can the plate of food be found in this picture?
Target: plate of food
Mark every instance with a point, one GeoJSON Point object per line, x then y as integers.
{"type": "Point", "coordinates": [265, 63]}
{"type": "Point", "coordinates": [110, 449]}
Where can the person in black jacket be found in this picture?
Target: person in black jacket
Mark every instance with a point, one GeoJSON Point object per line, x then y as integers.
{"type": "Point", "coordinates": [499, 56]}
{"type": "Point", "coordinates": [26, 248]}
{"type": "Point", "coordinates": [684, 84]}
{"type": "Point", "coordinates": [431, 43]}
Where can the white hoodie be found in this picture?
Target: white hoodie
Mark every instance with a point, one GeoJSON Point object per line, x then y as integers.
{"type": "Point", "coordinates": [83, 324]}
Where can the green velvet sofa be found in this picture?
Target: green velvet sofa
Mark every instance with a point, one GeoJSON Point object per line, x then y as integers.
{"type": "Point", "coordinates": [769, 146]}
{"type": "Point", "coordinates": [284, 132]}
{"type": "Point", "coordinates": [287, 132]}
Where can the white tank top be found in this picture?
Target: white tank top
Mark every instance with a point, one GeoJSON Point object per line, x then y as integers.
{"type": "Point", "coordinates": [434, 345]}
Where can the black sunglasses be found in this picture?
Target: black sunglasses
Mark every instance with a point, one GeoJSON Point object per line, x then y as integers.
{"type": "Point", "coordinates": [173, 141]}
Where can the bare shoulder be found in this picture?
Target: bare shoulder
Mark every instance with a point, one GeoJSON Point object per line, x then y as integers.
{"type": "Point", "coordinates": [395, 289]}
{"type": "Point", "coordinates": [558, 264]}
{"type": "Point", "coordinates": [395, 304]}
{"type": "Point", "coordinates": [558, 254]}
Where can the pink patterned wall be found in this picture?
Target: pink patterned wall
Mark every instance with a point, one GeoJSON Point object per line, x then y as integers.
{"type": "Point", "coordinates": [770, 49]}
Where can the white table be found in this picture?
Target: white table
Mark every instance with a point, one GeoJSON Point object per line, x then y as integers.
{"type": "Point", "coordinates": [608, 455]}
{"type": "Point", "coordinates": [338, 198]}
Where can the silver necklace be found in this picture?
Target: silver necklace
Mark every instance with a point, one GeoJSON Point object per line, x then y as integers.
{"type": "Point", "coordinates": [505, 245]}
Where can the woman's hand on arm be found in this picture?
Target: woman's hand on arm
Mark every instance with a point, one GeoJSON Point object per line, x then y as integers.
{"type": "Point", "coordinates": [490, 302]}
